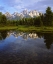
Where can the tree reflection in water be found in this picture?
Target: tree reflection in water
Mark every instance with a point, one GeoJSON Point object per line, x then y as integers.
{"type": "Point", "coordinates": [3, 34]}
{"type": "Point", "coordinates": [48, 39]}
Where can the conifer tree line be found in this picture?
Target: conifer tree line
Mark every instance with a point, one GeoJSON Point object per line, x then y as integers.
{"type": "Point", "coordinates": [45, 19]}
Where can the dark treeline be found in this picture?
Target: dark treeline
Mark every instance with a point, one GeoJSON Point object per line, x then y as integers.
{"type": "Point", "coordinates": [45, 19]}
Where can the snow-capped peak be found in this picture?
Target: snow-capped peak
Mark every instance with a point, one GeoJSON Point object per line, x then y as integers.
{"type": "Point", "coordinates": [25, 13]}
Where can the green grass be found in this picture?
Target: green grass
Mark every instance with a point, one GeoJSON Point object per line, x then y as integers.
{"type": "Point", "coordinates": [8, 27]}
{"type": "Point", "coordinates": [28, 28]}
{"type": "Point", "coordinates": [37, 29]}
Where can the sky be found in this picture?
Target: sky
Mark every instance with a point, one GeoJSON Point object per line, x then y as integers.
{"type": "Point", "coordinates": [20, 5]}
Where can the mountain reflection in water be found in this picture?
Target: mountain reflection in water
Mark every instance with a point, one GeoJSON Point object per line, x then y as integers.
{"type": "Point", "coordinates": [26, 48]}
{"type": "Point", "coordinates": [48, 37]}
{"type": "Point", "coordinates": [24, 35]}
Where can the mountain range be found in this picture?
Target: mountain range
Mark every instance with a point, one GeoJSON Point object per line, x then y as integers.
{"type": "Point", "coordinates": [23, 14]}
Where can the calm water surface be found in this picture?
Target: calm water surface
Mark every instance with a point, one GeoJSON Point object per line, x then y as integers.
{"type": "Point", "coordinates": [26, 48]}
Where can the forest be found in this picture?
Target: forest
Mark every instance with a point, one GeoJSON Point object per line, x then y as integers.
{"type": "Point", "coordinates": [46, 19]}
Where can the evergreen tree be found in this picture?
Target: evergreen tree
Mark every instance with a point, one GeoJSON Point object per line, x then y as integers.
{"type": "Point", "coordinates": [3, 19]}
{"type": "Point", "coordinates": [48, 17]}
{"type": "Point", "coordinates": [38, 21]}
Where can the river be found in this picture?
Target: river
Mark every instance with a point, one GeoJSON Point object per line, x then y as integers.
{"type": "Point", "coordinates": [18, 47]}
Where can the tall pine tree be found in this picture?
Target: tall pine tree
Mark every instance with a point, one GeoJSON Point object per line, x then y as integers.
{"type": "Point", "coordinates": [48, 17]}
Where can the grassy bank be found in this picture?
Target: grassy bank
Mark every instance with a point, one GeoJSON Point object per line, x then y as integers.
{"type": "Point", "coordinates": [37, 29]}
{"type": "Point", "coordinates": [28, 28]}
{"type": "Point", "coordinates": [8, 27]}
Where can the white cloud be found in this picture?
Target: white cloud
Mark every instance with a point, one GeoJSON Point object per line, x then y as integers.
{"type": "Point", "coordinates": [28, 4]}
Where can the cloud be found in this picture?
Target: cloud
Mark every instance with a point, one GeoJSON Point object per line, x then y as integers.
{"type": "Point", "coordinates": [24, 4]}
{"type": "Point", "coordinates": [1, 8]}
{"type": "Point", "coordinates": [39, 5]}
{"type": "Point", "coordinates": [12, 3]}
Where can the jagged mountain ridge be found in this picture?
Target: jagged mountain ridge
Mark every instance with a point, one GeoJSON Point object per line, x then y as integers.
{"type": "Point", "coordinates": [23, 14]}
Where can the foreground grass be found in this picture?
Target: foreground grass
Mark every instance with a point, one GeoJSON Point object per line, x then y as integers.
{"type": "Point", "coordinates": [28, 28]}
{"type": "Point", "coordinates": [8, 27]}
{"type": "Point", "coordinates": [37, 29]}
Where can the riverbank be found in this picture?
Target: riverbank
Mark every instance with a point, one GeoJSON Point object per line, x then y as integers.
{"type": "Point", "coordinates": [28, 28]}
{"type": "Point", "coordinates": [8, 27]}
{"type": "Point", "coordinates": [37, 29]}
